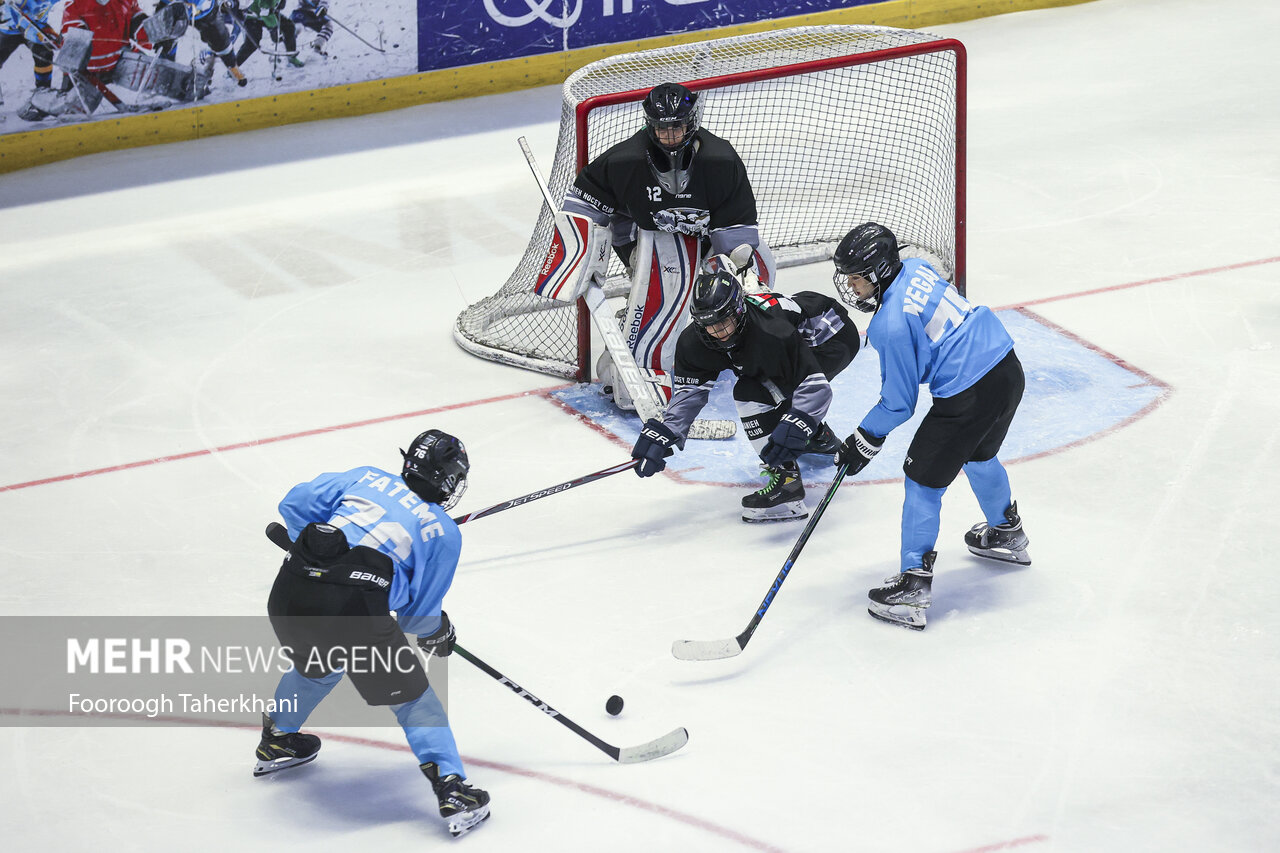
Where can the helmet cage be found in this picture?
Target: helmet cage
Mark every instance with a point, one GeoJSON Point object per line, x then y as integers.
{"type": "Point", "coordinates": [718, 297]}
{"type": "Point", "coordinates": [870, 252]}
{"type": "Point", "coordinates": [436, 468]}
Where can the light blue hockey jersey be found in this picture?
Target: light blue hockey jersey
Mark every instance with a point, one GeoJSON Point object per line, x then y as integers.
{"type": "Point", "coordinates": [376, 509]}
{"type": "Point", "coordinates": [926, 333]}
{"type": "Point", "coordinates": [13, 23]}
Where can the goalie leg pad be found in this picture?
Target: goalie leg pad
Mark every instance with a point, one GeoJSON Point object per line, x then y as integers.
{"type": "Point", "coordinates": [579, 250]}
{"type": "Point", "coordinates": [664, 269]}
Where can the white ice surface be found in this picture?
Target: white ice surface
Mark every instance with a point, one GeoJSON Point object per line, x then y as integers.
{"type": "Point", "coordinates": [1121, 694]}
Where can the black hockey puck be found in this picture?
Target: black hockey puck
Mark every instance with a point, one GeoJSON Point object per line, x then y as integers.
{"type": "Point", "coordinates": [614, 705]}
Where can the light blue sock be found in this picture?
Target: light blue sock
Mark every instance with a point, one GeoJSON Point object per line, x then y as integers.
{"type": "Point", "coordinates": [990, 484]}
{"type": "Point", "coordinates": [921, 511]}
{"type": "Point", "coordinates": [297, 691]}
{"type": "Point", "coordinates": [426, 727]}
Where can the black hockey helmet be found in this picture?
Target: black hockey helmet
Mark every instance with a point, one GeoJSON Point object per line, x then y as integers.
{"type": "Point", "coordinates": [672, 115]}
{"type": "Point", "coordinates": [871, 252]}
{"type": "Point", "coordinates": [435, 468]}
{"type": "Point", "coordinates": [717, 299]}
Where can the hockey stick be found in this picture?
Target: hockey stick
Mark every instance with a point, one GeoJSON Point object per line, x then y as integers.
{"type": "Point", "coordinates": [356, 34]}
{"type": "Point", "coordinates": [54, 38]}
{"type": "Point", "coordinates": [720, 649]}
{"type": "Point", "coordinates": [656, 748]}
{"type": "Point", "coordinates": [548, 492]}
{"type": "Point", "coordinates": [644, 392]}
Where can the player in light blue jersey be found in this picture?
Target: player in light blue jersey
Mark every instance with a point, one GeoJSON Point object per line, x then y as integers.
{"type": "Point", "coordinates": [368, 542]}
{"type": "Point", "coordinates": [926, 333]}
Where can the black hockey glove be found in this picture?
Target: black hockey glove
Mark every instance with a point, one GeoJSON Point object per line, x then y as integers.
{"type": "Point", "coordinates": [655, 444]}
{"type": "Point", "coordinates": [789, 438]}
{"type": "Point", "coordinates": [858, 449]}
{"type": "Point", "coordinates": [441, 642]}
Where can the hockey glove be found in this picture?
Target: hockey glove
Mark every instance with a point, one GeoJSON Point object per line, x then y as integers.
{"type": "Point", "coordinates": [858, 449]}
{"type": "Point", "coordinates": [789, 438]}
{"type": "Point", "coordinates": [655, 444]}
{"type": "Point", "coordinates": [441, 642]}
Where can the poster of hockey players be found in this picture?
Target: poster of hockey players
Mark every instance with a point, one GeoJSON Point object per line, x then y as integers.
{"type": "Point", "coordinates": [75, 60]}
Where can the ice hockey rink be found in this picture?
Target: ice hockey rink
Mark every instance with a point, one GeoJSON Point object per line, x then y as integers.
{"type": "Point", "coordinates": [190, 330]}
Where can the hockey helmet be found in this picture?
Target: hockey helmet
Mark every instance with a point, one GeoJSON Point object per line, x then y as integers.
{"type": "Point", "coordinates": [719, 309]}
{"type": "Point", "coordinates": [672, 116]}
{"type": "Point", "coordinates": [436, 467]}
{"type": "Point", "coordinates": [869, 252]}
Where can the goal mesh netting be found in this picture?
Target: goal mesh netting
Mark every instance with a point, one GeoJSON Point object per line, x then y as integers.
{"type": "Point", "coordinates": [837, 125]}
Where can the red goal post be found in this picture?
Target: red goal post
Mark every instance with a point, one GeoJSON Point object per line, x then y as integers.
{"type": "Point", "coordinates": [837, 125]}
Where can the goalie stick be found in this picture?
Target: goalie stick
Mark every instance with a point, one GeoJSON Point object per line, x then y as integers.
{"type": "Point", "coordinates": [644, 393]}
{"type": "Point", "coordinates": [656, 748]}
{"type": "Point", "coordinates": [720, 649]}
{"type": "Point", "coordinates": [54, 39]}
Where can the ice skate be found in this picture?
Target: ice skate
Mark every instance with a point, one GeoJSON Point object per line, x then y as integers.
{"type": "Point", "coordinates": [280, 750]}
{"type": "Point", "coordinates": [463, 806]}
{"type": "Point", "coordinates": [1005, 542]}
{"type": "Point", "coordinates": [782, 498]}
{"type": "Point", "coordinates": [904, 597]}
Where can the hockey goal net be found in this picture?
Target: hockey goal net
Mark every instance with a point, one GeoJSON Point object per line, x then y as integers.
{"type": "Point", "coordinates": [837, 125]}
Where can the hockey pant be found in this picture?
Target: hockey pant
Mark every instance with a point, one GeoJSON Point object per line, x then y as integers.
{"type": "Point", "coordinates": [41, 56]}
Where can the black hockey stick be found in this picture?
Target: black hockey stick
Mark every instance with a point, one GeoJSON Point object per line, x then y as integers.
{"type": "Point", "coordinates": [657, 748]}
{"type": "Point", "coordinates": [719, 649]}
{"type": "Point", "coordinates": [548, 492]}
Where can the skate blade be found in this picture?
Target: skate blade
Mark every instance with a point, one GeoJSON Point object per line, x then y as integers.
{"type": "Point", "coordinates": [1021, 558]}
{"type": "Point", "coordinates": [898, 614]}
{"type": "Point", "coordinates": [266, 768]}
{"type": "Point", "coordinates": [795, 510]}
{"type": "Point", "coordinates": [461, 824]}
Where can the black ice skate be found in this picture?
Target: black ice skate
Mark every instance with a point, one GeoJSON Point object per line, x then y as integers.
{"type": "Point", "coordinates": [824, 443]}
{"type": "Point", "coordinates": [905, 596]}
{"type": "Point", "coordinates": [781, 499]}
{"type": "Point", "coordinates": [280, 750]}
{"type": "Point", "coordinates": [463, 806]}
{"type": "Point", "coordinates": [1005, 542]}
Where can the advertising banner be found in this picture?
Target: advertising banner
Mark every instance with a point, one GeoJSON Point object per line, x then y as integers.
{"type": "Point", "coordinates": [465, 32]}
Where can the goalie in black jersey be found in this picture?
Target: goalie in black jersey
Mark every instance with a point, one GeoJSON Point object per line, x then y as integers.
{"type": "Point", "coordinates": [670, 195]}
{"type": "Point", "coordinates": [784, 351]}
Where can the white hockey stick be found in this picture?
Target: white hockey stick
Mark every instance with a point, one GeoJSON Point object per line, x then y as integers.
{"type": "Point", "coordinates": [642, 388]}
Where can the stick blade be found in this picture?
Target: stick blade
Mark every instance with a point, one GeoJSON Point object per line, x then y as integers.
{"type": "Point", "coordinates": [664, 745]}
{"type": "Point", "coordinates": [706, 649]}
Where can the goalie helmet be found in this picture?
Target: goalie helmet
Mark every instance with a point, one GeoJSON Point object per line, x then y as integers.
{"type": "Point", "coordinates": [672, 116]}
{"type": "Point", "coordinates": [719, 309]}
{"type": "Point", "coordinates": [435, 468]}
{"type": "Point", "coordinates": [869, 252]}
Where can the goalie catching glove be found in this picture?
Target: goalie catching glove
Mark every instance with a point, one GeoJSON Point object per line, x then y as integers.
{"type": "Point", "coordinates": [441, 642]}
{"type": "Point", "coordinates": [579, 250]}
{"type": "Point", "coordinates": [655, 444]}
{"type": "Point", "coordinates": [789, 438]}
{"type": "Point", "coordinates": [858, 449]}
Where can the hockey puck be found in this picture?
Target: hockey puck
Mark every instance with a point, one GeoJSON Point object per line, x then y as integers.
{"type": "Point", "coordinates": [614, 706]}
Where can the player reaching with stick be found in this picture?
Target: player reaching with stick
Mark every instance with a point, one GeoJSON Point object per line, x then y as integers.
{"type": "Point", "coordinates": [368, 542]}
{"type": "Point", "coordinates": [785, 351]}
{"type": "Point", "coordinates": [925, 332]}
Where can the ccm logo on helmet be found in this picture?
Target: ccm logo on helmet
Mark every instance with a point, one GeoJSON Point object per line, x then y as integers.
{"type": "Point", "coordinates": [369, 576]}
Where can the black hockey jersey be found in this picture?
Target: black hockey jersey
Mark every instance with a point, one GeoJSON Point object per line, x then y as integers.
{"type": "Point", "coordinates": [619, 183]}
{"type": "Point", "coordinates": [791, 346]}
